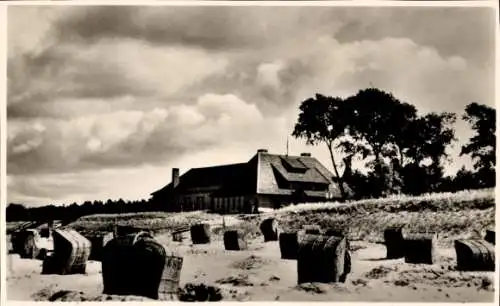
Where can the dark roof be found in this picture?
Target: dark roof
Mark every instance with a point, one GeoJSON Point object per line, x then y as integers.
{"type": "Point", "coordinates": [237, 178]}
{"type": "Point", "coordinates": [257, 175]}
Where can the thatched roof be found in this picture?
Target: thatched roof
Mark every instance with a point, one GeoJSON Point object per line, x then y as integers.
{"type": "Point", "coordinates": [264, 173]}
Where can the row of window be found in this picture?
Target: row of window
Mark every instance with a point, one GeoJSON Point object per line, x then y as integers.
{"type": "Point", "coordinates": [219, 204]}
{"type": "Point", "coordinates": [198, 203]}
{"type": "Point", "coordinates": [229, 204]}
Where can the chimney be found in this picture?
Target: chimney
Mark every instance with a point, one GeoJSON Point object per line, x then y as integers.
{"type": "Point", "coordinates": [305, 154]}
{"type": "Point", "coordinates": [175, 177]}
{"type": "Point", "coordinates": [262, 151]}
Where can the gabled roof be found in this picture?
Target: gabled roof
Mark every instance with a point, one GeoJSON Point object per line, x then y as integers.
{"type": "Point", "coordinates": [313, 171]}
{"type": "Point", "coordinates": [258, 175]}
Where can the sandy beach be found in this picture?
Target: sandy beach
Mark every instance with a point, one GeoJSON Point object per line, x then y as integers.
{"type": "Point", "coordinates": [259, 274]}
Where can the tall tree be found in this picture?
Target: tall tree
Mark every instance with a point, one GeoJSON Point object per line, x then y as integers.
{"type": "Point", "coordinates": [379, 120]}
{"type": "Point", "coordinates": [378, 127]}
{"type": "Point", "coordinates": [481, 147]}
{"type": "Point", "coordinates": [373, 123]}
{"type": "Point", "coordinates": [392, 133]}
{"type": "Point", "coordinates": [429, 136]}
{"type": "Point", "coordinates": [323, 119]}
{"type": "Point", "coordinates": [427, 141]}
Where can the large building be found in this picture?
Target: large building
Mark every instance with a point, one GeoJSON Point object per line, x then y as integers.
{"type": "Point", "coordinates": [266, 180]}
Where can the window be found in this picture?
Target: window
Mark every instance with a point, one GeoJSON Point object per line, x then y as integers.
{"type": "Point", "coordinates": [293, 165]}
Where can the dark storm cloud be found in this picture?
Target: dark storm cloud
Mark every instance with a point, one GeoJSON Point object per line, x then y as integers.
{"type": "Point", "coordinates": [453, 31]}
{"type": "Point", "coordinates": [218, 28]}
{"type": "Point", "coordinates": [58, 72]}
{"type": "Point", "coordinates": [67, 74]}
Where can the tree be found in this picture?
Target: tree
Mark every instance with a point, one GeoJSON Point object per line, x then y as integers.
{"type": "Point", "coordinates": [348, 173]}
{"type": "Point", "coordinates": [464, 180]}
{"type": "Point", "coordinates": [382, 177]}
{"type": "Point", "coordinates": [385, 128]}
{"type": "Point", "coordinates": [378, 127]}
{"type": "Point", "coordinates": [323, 120]}
{"type": "Point", "coordinates": [361, 185]}
{"type": "Point", "coordinates": [16, 212]}
{"type": "Point", "coordinates": [379, 121]}
{"type": "Point", "coordinates": [429, 136]}
{"type": "Point", "coordinates": [481, 147]}
{"type": "Point", "coordinates": [426, 142]}
{"type": "Point", "coordinates": [420, 179]}
{"type": "Point", "coordinates": [374, 124]}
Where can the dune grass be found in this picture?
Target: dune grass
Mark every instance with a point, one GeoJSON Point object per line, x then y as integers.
{"type": "Point", "coordinates": [464, 214]}
{"type": "Point", "coordinates": [370, 227]}
{"type": "Point", "coordinates": [452, 216]}
{"type": "Point", "coordinates": [458, 201]}
{"type": "Point", "coordinates": [153, 221]}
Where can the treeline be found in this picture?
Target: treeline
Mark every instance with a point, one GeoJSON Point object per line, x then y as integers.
{"type": "Point", "coordinates": [403, 151]}
{"type": "Point", "coordinates": [69, 213]}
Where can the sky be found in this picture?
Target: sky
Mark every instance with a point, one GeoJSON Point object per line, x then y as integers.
{"type": "Point", "coordinates": [104, 101]}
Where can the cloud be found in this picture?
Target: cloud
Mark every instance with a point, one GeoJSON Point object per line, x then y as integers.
{"type": "Point", "coordinates": [124, 138]}
{"type": "Point", "coordinates": [267, 74]}
{"type": "Point", "coordinates": [46, 187]}
{"type": "Point", "coordinates": [454, 29]}
{"type": "Point", "coordinates": [462, 31]}
{"type": "Point", "coordinates": [417, 74]}
{"type": "Point", "coordinates": [57, 189]}
{"type": "Point", "coordinates": [214, 28]}
{"type": "Point", "coordinates": [167, 54]}
{"type": "Point", "coordinates": [110, 70]}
